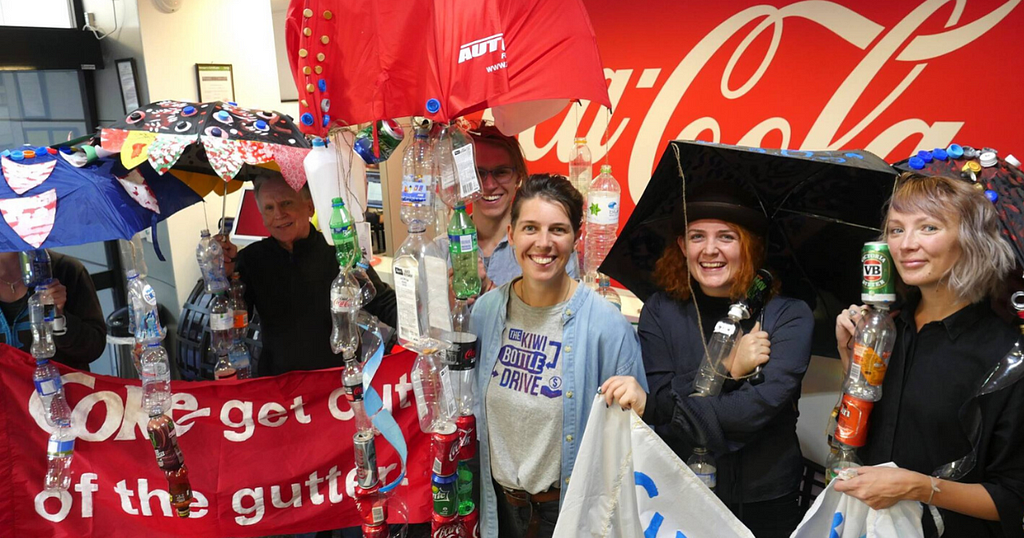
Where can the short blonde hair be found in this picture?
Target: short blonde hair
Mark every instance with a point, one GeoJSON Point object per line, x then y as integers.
{"type": "Point", "coordinates": [985, 258]}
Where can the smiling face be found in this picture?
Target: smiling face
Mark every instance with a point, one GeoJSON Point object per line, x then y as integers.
{"type": "Point", "coordinates": [285, 212]}
{"type": "Point", "coordinates": [543, 239]}
{"type": "Point", "coordinates": [498, 185]}
{"type": "Point", "coordinates": [713, 255]}
{"type": "Point", "coordinates": [924, 248]}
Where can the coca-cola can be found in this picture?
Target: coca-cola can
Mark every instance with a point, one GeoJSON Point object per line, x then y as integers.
{"type": "Point", "coordinates": [446, 527]}
{"type": "Point", "coordinates": [372, 505]}
{"type": "Point", "coordinates": [852, 429]}
{"type": "Point", "coordinates": [466, 425]}
{"type": "Point", "coordinates": [376, 531]}
{"type": "Point", "coordinates": [444, 449]}
{"type": "Point", "coordinates": [366, 459]}
{"type": "Point", "coordinates": [470, 522]}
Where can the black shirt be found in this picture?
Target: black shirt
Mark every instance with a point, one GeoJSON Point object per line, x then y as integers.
{"type": "Point", "coordinates": [932, 373]}
{"type": "Point", "coordinates": [291, 291]}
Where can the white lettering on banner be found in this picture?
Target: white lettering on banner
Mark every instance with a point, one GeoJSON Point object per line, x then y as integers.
{"type": "Point", "coordinates": [332, 405]}
{"type": "Point", "coordinates": [294, 502]}
{"type": "Point", "coordinates": [272, 414]}
{"type": "Point", "coordinates": [87, 487]}
{"type": "Point", "coordinates": [300, 412]}
{"type": "Point", "coordinates": [146, 496]}
{"type": "Point", "coordinates": [246, 423]}
{"type": "Point", "coordinates": [333, 494]}
{"type": "Point", "coordinates": [65, 505]}
{"type": "Point", "coordinates": [480, 47]}
{"type": "Point", "coordinates": [199, 505]}
{"type": "Point", "coordinates": [122, 491]}
{"type": "Point", "coordinates": [184, 401]}
{"type": "Point", "coordinates": [314, 489]}
{"type": "Point", "coordinates": [111, 422]}
{"type": "Point", "coordinates": [887, 45]}
{"type": "Point", "coordinates": [256, 511]}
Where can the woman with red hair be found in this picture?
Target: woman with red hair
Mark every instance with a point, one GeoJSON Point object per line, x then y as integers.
{"type": "Point", "coordinates": [750, 430]}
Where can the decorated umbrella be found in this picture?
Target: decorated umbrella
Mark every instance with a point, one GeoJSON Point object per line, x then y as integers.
{"type": "Point", "coordinates": [1002, 181]}
{"type": "Point", "coordinates": [206, 141]}
{"type": "Point", "coordinates": [46, 202]}
{"type": "Point", "coordinates": [822, 207]}
{"type": "Point", "coordinates": [355, 62]}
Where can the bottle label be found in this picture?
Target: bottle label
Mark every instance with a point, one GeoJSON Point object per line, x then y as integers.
{"type": "Point", "coordinates": [603, 208]}
{"type": "Point", "coordinates": [354, 393]}
{"type": "Point", "coordinates": [149, 295]}
{"type": "Point", "coordinates": [422, 409]}
{"type": "Point", "coordinates": [708, 479]}
{"type": "Point", "coordinates": [853, 421]}
{"type": "Point", "coordinates": [437, 293]}
{"type": "Point", "coordinates": [462, 244]}
{"type": "Point", "coordinates": [405, 293]}
{"type": "Point", "coordinates": [462, 353]}
{"type": "Point", "coordinates": [57, 448]}
{"type": "Point", "coordinates": [869, 364]}
{"type": "Point", "coordinates": [465, 167]}
{"type": "Point", "coordinates": [49, 312]}
{"type": "Point", "coordinates": [222, 322]}
{"type": "Point", "coordinates": [724, 327]}
{"type": "Point", "coordinates": [241, 319]}
{"type": "Point", "coordinates": [48, 387]}
{"type": "Point", "coordinates": [165, 444]}
{"type": "Point", "coordinates": [414, 192]}
{"type": "Point", "coordinates": [448, 395]}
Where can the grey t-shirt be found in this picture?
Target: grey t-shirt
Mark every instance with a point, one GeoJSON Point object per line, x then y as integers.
{"type": "Point", "coordinates": [524, 399]}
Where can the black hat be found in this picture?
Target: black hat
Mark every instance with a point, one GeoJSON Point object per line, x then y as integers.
{"type": "Point", "coordinates": [721, 200]}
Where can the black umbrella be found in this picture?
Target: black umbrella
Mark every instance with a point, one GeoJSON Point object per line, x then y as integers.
{"type": "Point", "coordinates": [822, 205]}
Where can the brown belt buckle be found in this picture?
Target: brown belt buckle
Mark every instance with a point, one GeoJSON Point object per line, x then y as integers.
{"type": "Point", "coordinates": [519, 499]}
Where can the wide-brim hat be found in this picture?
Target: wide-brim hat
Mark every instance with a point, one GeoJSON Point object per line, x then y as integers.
{"type": "Point", "coordinates": [724, 201]}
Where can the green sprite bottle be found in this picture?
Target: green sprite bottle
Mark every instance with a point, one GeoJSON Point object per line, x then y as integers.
{"type": "Point", "coordinates": [343, 233]}
{"type": "Point", "coordinates": [462, 247]}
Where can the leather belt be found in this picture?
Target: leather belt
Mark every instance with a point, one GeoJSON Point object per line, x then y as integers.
{"type": "Point", "coordinates": [522, 499]}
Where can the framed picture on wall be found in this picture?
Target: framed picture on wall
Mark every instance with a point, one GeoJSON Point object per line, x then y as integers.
{"type": "Point", "coordinates": [126, 74]}
{"type": "Point", "coordinates": [216, 82]}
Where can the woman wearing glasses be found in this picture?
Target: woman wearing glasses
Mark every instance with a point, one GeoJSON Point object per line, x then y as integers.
{"type": "Point", "coordinates": [944, 238]}
{"type": "Point", "coordinates": [501, 168]}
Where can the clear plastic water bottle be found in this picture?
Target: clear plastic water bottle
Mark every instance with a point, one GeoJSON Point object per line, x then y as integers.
{"type": "Point", "coordinates": [843, 457]}
{"type": "Point", "coordinates": [703, 465]}
{"type": "Point", "coordinates": [367, 289]}
{"type": "Point", "coordinates": [144, 313]}
{"type": "Point", "coordinates": [455, 166]}
{"type": "Point", "coordinates": [238, 307]}
{"type": "Point", "coordinates": [421, 288]}
{"type": "Point", "coordinates": [223, 369]}
{"type": "Point", "coordinates": [211, 263]}
{"type": "Point", "coordinates": [352, 380]}
{"type": "Point", "coordinates": [605, 289]}
{"type": "Point", "coordinates": [727, 332]}
{"type": "Point", "coordinates": [35, 267]}
{"type": "Point", "coordinates": [222, 324]}
{"type": "Point", "coordinates": [343, 234]}
{"type": "Point", "coordinates": [462, 248]}
{"type": "Point", "coordinates": [156, 380]}
{"type": "Point", "coordinates": [51, 393]}
{"type": "Point", "coordinates": [42, 330]}
{"type": "Point", "coordinates": [59, 452]}
{"type": "Point", "coordinates": [346, 300]}
{"type": "Point", "coordinates": [602, 219]}
{"type": "Point", "coordinates": [418, 183]}
{"type": "Point", "coordinates": [435, 399]}
{"type": "Point", "coordinates": [873, 340]}
{"type": "Point", "coordinates": [580, 166]}
{"type": "Point", "coordinates": [240, 360]}
{"type": "Point", "coordinates": [460, 359]}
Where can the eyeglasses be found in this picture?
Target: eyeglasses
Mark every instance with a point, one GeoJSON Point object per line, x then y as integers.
{"type": "Point", "coordinates": [501, 174]}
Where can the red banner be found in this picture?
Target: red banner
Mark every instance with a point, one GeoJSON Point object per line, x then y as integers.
{"type": "Point", "coordinates": [265, 456]}
{"type": "Point", "coordinates": [889, 77]}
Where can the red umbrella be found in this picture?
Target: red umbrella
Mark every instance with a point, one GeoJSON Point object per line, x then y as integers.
{"type": "Point", "coordinates": [355, 62]}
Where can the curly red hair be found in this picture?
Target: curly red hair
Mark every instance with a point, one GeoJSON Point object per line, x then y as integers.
{"type": "Point", "coordinates": [672, 275]}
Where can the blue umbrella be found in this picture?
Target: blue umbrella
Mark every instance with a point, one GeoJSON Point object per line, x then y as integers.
{"type": "Point", "coordinates": [86, 204]}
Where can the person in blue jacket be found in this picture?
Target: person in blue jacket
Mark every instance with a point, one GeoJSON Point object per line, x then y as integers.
{"type": "Point", "coordinates": [547, 345]}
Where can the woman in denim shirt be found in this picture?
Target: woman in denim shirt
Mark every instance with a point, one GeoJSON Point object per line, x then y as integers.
{"type": "Point", "coordinates": [547, 346]}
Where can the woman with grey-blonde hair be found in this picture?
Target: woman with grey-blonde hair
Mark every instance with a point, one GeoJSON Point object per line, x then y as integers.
{"type": "Point", "coordinates": [944, 238]}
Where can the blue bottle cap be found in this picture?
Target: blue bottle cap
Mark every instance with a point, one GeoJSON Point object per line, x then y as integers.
{"type": "Point", "coordinates": [327, 120]}
{"type": "Point", "coordinates": [222, 115]}
{"type": "Point", "coordinates": [916, 163]}
{"type": "Point", "coordinates": [433, 105]}
{"type": "Point", "coordinates": [991, 195]}
{"type": "Point", "coordinates": [925, 155]}
{"type": "Point", "coordinates": [189, 110]}
{"type": "Point", "coordinates": [939, 154]}
{"type": "Point", "coordinates": [322, 84]}
{"type": "Point", "coordinates": [955, 151]}
{"type": "Point", "coordinates": [42, 150]}
{"type": "Point", "coordinates": [306, 118]}
{"type": "Point", "coordinates": [17, 155]}
{"type": "Point", "coordinates": [319, 142]}
{"type": "Point", "coordinates": [261, 125]}
{"type": "Point", "coordinates": [66, 150]}
{"type": "Point", "coordinates": [216, 131]}
{"type": "Point", "coordinates": [5, 153]}
{"type": "Point", "coordinates": [232, 103]}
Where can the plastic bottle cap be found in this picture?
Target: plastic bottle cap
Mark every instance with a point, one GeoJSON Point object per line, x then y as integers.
{"type": "Point", "coordinates": [606, 169]}
{"type": "Point", "coordinates": [216, 131]}
{"type": "Point", "coordinates": [232, 103]}
{"type": "Point", "coordinates": [41, 150]}
{"type": "Point", "coordinates": [5, 153]}
{"type": "Point", "coordinates": [337, 202]}
{"type": "Point", "coordinates": [327, 120]}
{"type": "Point", "coordinates": [322, 84]}
{"type": "Point", "coordinates": [970, 153]}
{"type": "Point", "coordinates": [581, 140]}
{"type": "Point", "coordinates": [916, 163]}
{"type": "Point", "coordinates": [306, 118]}
{"type": "Point", "coordinates": [222, 115]}
{"type": "Point", "coordinates": [939, 154]}
{"type": "Point", "coordinates": [261, 125]}
{"type": "Point", "coordinates": [988, 159]}
{"type": "Point", "coordinates": [433, 105]}
{"type": "Point", "coordinates": [925, 156]}
{"type": "Point", "coordinates": [991, 195]}
{"type": "Point", "coordinates": [29, 154]}
{"type": "Point", "coordinates": [325, 104]}
{"type": "Point", "coordinates": [319, 143]}
{"type": "Point", "coordinates": [955, 151]}
{"type": "Point", "coordinates": [1012, 161]}
{"type": "Point", "coordinates": [17, 155]}
{"type": "Point", "coordinates": [188, 111]}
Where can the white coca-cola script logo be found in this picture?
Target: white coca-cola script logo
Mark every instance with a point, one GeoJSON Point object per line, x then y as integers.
{"type": "Point", "coordinates": [881, 47]}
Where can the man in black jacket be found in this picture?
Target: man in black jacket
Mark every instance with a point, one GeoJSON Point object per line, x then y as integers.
{"type": "Point", "coordinates": [288, 279]}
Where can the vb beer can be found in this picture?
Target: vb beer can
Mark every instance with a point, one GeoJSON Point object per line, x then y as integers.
{"type": "Point", "coordinates": [877, 285]}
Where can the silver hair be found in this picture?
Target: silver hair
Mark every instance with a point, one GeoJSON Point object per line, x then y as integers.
{"type": "Point", "coordinates": [265, 174]}
{"type": "Point", "coordinates": [985, 257]}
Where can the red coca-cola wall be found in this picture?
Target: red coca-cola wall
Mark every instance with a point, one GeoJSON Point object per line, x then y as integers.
{"type": "Point", "coordinates": [889, 77]}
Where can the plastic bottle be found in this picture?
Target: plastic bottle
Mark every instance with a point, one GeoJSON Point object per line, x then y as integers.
{"type": "Point", "coordinates": [42, 331]}
{"type": "Point", "coordinates": [51, 393]}
{"type": "Point", "coordinates": [580, 166]}
{"type": "Point", "coordinates": [222, 324]}
{"type": "Point", "coordinates": [35, 267]}
{"type": "Point", "coordinates": [462, 248]}
{"type": "Point", "coordinates": [435, 400]}
{"type": "Point", "coordinates": [455, 166]}
{"type": "Point", "coordinates": [352, 380]}
{"type": "Point", "coordinates": [873, 340]}
{"type": "Point", "coordinates": [223, 369]}
{"type": "Point", "coordinates": [59, 452]}
{"type": "Point", "coordinates": [211, 263]}
{"type": "Point", "coordinates": [180, 490]}
{"type": "Point", "coordinates": [343, 235]}
{"type": "Point", "coordinates": [346, 301]}
{"type": "Point", "coordinates": [602, 213]}
{"type": "Point", "coordinates": [727, 332]}
{"type": "Point", "coordinates": [171, 461]}
{"type": "Point", "coordinates": [703, 465]}
{"type": "Point", "coordinates": [144, 313]}
{"type": "Point", "coordinates": [156, 380]}
{"type": "Point", "coordinates": [421, 289]}
{"type": "Point", "coordinates": [239, 309]}
{"type": "Point", "coordinates": [240, 360]}
{"type": "Point", "coordinates": [418, 181]}
{"type": "Point", "coordinates": [844, 457]}
{"type": "Point", "coordinates": [606, 290]}
{"type": "Point", "coordinates": [321, 166]}
{"type": "Point", "coordinates": [461, 359]}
